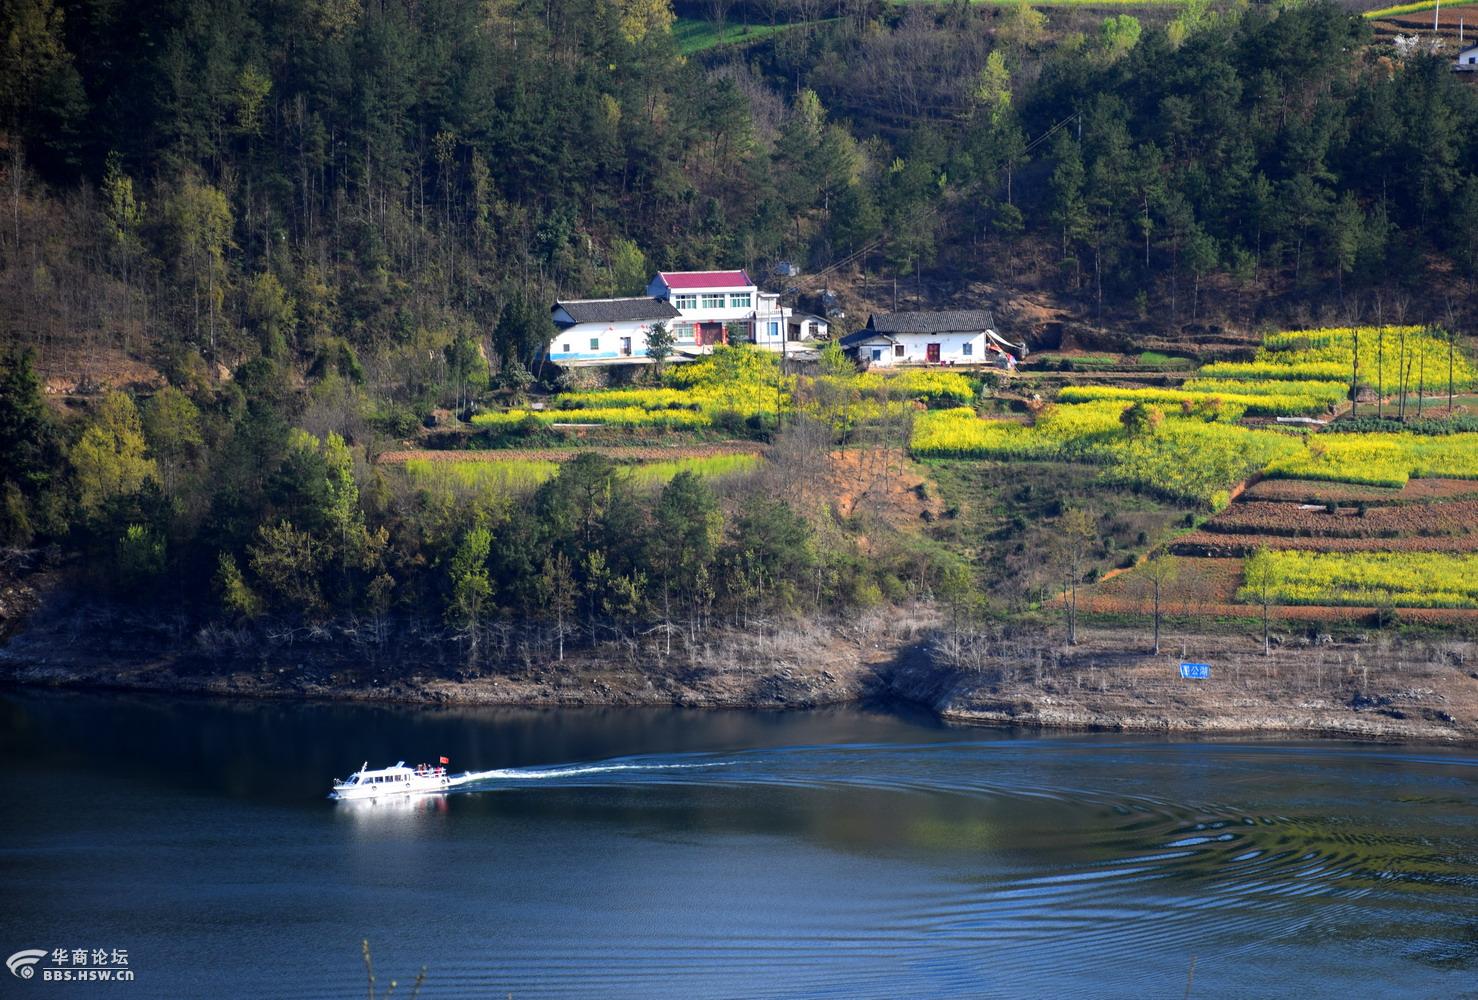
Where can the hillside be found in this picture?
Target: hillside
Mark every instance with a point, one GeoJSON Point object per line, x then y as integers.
{"type": "Point", "coordinates": [276, 282]}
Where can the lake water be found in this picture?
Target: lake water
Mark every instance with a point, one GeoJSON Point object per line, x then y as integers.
{"type": "Point", "coordinates": [838, 853]}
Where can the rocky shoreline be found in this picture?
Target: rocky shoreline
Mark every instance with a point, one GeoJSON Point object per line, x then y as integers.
{"type": "Point", "coordinates": [1374, 690]}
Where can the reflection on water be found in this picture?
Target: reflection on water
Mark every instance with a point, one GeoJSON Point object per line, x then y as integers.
{"type": "Point", "coordinates": [392, 808]}
{"type": "Point", "coordinates": [647, 853]}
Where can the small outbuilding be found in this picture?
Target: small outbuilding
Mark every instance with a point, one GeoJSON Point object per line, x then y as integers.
{"type": "Point", "coordinates": [1467, 61]}
{"type": "Point", "coordinates": [806, 326]}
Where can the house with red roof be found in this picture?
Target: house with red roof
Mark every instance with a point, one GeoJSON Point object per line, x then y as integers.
{"type": "Point", "coordinates": [721, 307]}
{"type": "Point", "coordinates": [700, 308]}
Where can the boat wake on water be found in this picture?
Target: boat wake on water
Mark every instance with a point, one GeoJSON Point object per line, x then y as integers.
{"type": "Point", "coordinates": [1041, 838]}
{"type": "Point", "coordinates": [466, 780]}
{"type": "Point", "coordinates": [400, 780]}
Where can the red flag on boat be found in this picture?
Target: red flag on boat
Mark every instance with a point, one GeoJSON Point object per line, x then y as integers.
{"type": "Point", "coordinates": [446, 760]}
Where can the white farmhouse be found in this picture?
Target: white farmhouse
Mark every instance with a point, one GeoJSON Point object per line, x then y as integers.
{"type": "Point", "coordinates": [701, 308]}
{"type": "Point", "coordinates": [1467, 61]}
{"type": "Point", "coordinates": [605, 331]}
{"type": "Point", "coordinates": [720, 307]}
{"type": "Point", "coordinates": [949, 337]}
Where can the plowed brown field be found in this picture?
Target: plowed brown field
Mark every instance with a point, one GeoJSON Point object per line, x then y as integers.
{"type": "Point", "coordinates": [1447, 17]}
{"type": "Point", "coordinates": [1260, 517]}
{"type": "Point", "coordinates": [1223, 545]}
{"type": "Point", "coordinates": [1127, 606]}
{"type": "Point", "coordinates": [1208, 587]}
{"type": "Point", "coordinates": [1315, 491]}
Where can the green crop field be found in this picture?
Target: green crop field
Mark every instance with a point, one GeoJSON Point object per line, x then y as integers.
{"type": "Point", "coordinates": [1399, 9]}
{"type": "Point", "coordinates": [1387, 355]}
{"type": "Point", "coordinates": [1189, 444]}
{"type": "Point", "coordinates": [695, 36]}
{"type": "Point", "coordinates": [1293, 400]}
{"type": "Point", "coordinates": [610, 416]}
{"type": "Point", "coordinates": [742, 383]}
{"type": "Point", "coordinates": [520, 476]}
{"type": "Point", "coordinates": [1380, 459]}
{"type": "Point", "coordinates": [1186, 456]}
{"type": "Point", "coordinates": [1363, 579]}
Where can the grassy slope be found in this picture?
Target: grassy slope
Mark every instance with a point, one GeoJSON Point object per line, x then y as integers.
{"type": "Point", "coordinates": [1007, 517]}
{"type": "Point", "coordinates": [695, 36]}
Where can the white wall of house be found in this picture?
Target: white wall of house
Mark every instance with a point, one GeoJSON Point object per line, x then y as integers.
{"type": "Point", "coordinates": [769, 331]}
{"type": "Point", "coordinates": [758, 315]}
{"type": "Point", "coordinates": [621, 342]}
{"type": "Point", "coordinates": [727, 304]}
{"type": "Point", "coordinates": [771, 321]}
{"type": "Point", "coordinates": [913, 348]}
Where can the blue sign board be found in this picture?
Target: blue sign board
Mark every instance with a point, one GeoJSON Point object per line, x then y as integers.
{"type": "Point", "coordinates": [1195, 671]}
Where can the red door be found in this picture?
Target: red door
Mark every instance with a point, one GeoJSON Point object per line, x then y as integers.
{"type": "Point", "coordinates": [931, 354]}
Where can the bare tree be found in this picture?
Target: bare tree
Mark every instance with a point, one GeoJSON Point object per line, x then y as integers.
{"type": "Point", "coordinates": [1421, 380]}
{"type": "Point", "coordinates": [1380, 356]}
{"type": "Point", "coordinates": [1260, 582]}
{"type": "Point", "coordinates": [1076, 531]}
{"type": "Point", "coordinates": [1159, 572]}
{"type": "Point", "coordinates": [1451, 344]}
{"type": "Point", "coordinates": [718, 11]}
{"type": "Point", "coordinates": [557, 590]}
{"type": "Point", "coordinates": [1400, 302]}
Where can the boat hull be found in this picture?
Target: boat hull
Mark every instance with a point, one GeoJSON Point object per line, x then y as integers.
{"type": "Point", "coordinates": [412, 786]}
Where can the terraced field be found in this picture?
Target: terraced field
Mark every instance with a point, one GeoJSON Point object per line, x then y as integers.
{"type": "Point", "coordinates": [1364, 521]}
{"type": "Point", "coordinates": [1261, 517]}
{"type": "Point", "coordinates": [1207, 588]}
{"type": "Point", "coordinates": [1219, 544]}
{"type": "Point", "coordinates": [1316, 491]}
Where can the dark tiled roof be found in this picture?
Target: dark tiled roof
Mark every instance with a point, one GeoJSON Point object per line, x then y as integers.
{"type": "Point", "coordinates": [862, 336]}
{"type": "Point", "coordinates": [943, 321]}
{"type": "Point", "coordinates": [616, 310]}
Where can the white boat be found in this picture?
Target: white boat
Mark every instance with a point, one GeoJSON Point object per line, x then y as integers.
{"type": "Point", "coordinates": [397, 780]}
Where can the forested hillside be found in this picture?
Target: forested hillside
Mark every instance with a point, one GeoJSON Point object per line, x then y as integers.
{"type": "Point", "coordinates": [227, 178]}
{"type": "Point", "coordinates": [294, 230]}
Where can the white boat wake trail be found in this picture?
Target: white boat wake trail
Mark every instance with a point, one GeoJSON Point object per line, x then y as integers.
{"type": "Point", "coordinates": [521, 774]}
